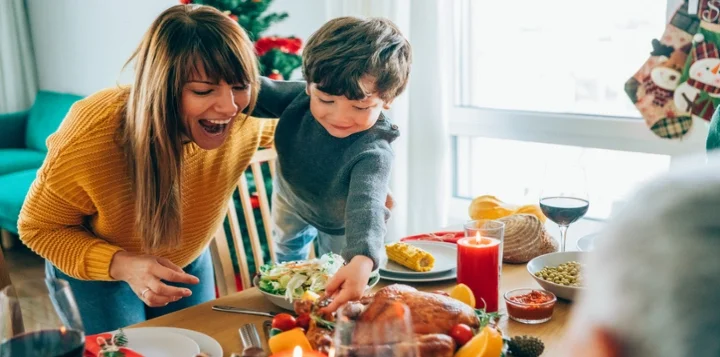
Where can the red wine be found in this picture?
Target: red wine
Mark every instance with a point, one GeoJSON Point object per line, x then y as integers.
{"type": "Point", "coordinates": [564, 210]}
{"type": "Point", "coordinates": [45, 343]}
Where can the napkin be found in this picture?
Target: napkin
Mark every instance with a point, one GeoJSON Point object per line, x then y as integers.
{"type": "Point", "coordinates": [92, 347]}
{"type": "Point", "coordinates": [446, 237]}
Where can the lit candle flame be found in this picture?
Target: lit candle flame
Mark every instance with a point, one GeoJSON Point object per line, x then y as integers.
{"type": "Point", "coordinates": [62, 330]}
{"type": "Point", "coordinates": [297, 352]}
{"type": "Point", "coordinates": [477, 238]}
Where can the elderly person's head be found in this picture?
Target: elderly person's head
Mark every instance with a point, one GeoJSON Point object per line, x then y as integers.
{"type": "Point", "coordinates": [654, 279]}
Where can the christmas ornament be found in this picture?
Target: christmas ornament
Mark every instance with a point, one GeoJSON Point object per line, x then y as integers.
{"type": "Point", "coordinates": [654, 87]}
{"type": "Point", "coordinates": [120, 339]}
{"type": "Point", "coordinates": [275, 75]}
{"type": "Point", "coordinates": [186, 2]}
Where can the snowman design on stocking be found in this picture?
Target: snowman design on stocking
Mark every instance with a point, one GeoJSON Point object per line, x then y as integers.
{"type": "Point", "coordinates": [695, 96]}
{"type": "Point", "coordinates": [665, 77]}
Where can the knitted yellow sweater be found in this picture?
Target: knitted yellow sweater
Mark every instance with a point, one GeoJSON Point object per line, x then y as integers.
{"type": "Point", "coordinates": [80, 211]}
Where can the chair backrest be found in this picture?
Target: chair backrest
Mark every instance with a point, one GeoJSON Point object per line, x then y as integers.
{"type": "Point", "coordinates": [46, 114]}
{"type": "Point", "coordinates": [225, 276]}
{"type": "Point", "coordinates": [4, 272]}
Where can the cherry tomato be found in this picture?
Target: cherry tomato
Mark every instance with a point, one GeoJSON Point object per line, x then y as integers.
{"type": "Point", "coordinates": [303, 321]}
{"type": "Point", "coordinates": [284, 322]}
{"type": "Point", "coordinates": [461, 333]}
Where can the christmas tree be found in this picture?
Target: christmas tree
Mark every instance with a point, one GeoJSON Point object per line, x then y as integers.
{"type": "Point", "coordinates": [278, 56]}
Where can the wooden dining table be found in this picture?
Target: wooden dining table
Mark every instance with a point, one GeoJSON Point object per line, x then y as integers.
{"type": "Point", "coordinates": [223, 326]}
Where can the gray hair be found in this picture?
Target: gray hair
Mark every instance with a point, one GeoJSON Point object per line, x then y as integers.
{"type": "Point", "coordinates": [654, 278]}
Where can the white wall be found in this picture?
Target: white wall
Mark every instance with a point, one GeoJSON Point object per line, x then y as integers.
{"type": "Point", "coordinates": [81, 45]}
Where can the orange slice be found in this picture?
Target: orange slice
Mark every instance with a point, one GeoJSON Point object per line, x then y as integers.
{"type": "Point", "coordinates": [476, 346]}
{"type": "Point", "coordinates": [494, 345]}
{"type": "Point", "coordinates": [463, 293]}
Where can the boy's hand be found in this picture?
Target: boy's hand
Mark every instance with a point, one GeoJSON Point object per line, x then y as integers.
{"type": "Point", "coordinates": [348, 283]}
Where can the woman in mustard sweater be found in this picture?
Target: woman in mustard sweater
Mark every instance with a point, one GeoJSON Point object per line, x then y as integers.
{"type": "Point", "coordinates": [137, 179]}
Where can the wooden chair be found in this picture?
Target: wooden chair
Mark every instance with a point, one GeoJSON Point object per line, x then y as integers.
{"type": "Point", "coordinates": [219, 248]}
{"type": "Point", "coordinates": [4, 272]}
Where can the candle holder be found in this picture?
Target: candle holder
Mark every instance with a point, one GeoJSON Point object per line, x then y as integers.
{"type": "Point", "coordinates": [479, 261]}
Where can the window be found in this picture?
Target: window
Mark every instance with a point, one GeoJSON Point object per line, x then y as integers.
{"type": "Point", "coordinates": [513, 170]}
{"type": "Point", "coordinates": [540, 81]}
{"type": "Point", "coordinates": [562, 56]}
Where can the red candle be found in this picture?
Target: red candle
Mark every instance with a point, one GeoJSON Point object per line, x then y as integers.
{"type": "Point", "coordinates": [478, 266]}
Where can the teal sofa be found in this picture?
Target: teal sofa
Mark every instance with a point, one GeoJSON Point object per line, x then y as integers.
{"type": "Point", "coordinates": [23, 149]}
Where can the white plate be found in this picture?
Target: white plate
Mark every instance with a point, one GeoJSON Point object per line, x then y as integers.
{"type": "Point", "coordinates": [587, 243]}
{"type": "Point", "coordinates": [171, 341]}
{"type": "Point", "coordinates": [448, 275]}
{"type": "Point", "coordinates": [445, 259]}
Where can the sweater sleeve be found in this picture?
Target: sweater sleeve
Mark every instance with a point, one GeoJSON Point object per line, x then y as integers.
{"type": "Point", "coordinates": [275, 97]}
{"type": "Point", "coordinates": [52, 219]}
{"type": "Point", "coordinates": [365, 211]}
{"type": "Point", "coordinates": [267, 133]}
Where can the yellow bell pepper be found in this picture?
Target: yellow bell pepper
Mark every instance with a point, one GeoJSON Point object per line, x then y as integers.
{"type": "Point", "coordinates": [288, 340]}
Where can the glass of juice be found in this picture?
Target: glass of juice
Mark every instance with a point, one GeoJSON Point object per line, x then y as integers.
{"type": "Point", "coordinates": [479, 261]}
{"type": "Point", "coordinates": [39, 318]}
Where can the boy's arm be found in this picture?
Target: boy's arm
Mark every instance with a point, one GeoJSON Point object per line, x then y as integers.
{"type": "Point", "coordinates": [365, 211]}
{"type": "Point", "coordinates": [275, 96]}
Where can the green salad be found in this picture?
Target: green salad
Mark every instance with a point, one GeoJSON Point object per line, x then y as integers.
{"type": "Point", "coordinates": [293, 279]}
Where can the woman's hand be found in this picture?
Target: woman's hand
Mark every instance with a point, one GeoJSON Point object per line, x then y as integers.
{"type": "Point", "coordinates": [144, 274]}
{"type": "Point", "coordinates": [349, 282]}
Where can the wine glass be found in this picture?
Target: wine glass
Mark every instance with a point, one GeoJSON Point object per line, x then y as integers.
{"type": "Point", "coordinates": [388, 334]}
{"type": "Point", "coordinates": [564, 197]}
{"type": "Point", "coordinates": [40, 318]}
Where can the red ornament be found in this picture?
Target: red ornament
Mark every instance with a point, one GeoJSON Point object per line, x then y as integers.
{"type": "Point", "coordinates": [186, 2]}
{"type": "Point", "coordinates": [275, 75]}
{"type": "Point", "coordinates": [233, 17]}
{"type": "Point", "coordinates": [289, 45]}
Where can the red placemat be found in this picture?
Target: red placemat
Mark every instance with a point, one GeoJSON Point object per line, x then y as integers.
{"type": "Point", "coordinates": [447, 237]}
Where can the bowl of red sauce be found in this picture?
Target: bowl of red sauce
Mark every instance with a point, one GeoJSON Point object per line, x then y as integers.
{"type": "Point", "coordinates": [530, 306]}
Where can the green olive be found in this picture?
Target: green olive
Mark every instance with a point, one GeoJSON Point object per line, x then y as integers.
{"type": "Point", "coordinates": [567, 274]}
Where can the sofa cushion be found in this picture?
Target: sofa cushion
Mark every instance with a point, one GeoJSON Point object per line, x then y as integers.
{"type": "Point", "coordinates": [45, 116]}
{"type": "Point", "coordinates": [13, 189]}
{"type": "Point", "coordinates": [13, 160]}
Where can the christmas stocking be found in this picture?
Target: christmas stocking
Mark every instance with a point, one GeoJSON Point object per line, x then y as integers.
{"type": "Point", "coordinates": [653, 87]}
{"type": "Point", "coordinates": [699, 92]}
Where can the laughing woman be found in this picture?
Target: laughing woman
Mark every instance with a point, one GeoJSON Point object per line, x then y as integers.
{"type": "Point", "coordinates": [137, 178]}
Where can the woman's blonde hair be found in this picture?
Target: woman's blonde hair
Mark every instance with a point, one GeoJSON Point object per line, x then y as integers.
{"type": "Point", "coordinates": [181, 42]}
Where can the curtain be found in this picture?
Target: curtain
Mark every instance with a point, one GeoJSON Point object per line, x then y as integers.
{"type": "Point", "coordinates": [420, 180]}
{"type": "Point", "coordinates": [18, 79]}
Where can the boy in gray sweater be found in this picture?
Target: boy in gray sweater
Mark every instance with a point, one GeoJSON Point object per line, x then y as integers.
{"type": "Point", "coordinates": [333, 145]}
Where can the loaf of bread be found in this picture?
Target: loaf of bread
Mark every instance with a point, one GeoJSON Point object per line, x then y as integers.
{"type": "Point", "coordinates": [525, 238]}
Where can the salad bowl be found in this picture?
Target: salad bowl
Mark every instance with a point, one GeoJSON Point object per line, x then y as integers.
{"type": "Point", "coordinates": [284, 283]}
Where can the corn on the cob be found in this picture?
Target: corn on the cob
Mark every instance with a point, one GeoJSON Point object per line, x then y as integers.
{"type": "Point", "coordinates": [409, 256]}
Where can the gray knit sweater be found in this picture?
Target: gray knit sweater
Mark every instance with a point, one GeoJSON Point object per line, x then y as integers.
{"type": "Point", "coordinates": [338, 185]}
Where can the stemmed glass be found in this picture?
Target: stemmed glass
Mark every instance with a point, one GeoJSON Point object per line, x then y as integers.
{"type": "Point", "coordinates": [40, 318]}
{"type": "Point", "coordinates": [389, 334]}
{"type": "Point", "coordinates": [564, 197]}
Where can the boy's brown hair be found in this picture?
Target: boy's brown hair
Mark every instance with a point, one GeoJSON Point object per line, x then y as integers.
{"type": "Point", "coordinates": [347, 48]}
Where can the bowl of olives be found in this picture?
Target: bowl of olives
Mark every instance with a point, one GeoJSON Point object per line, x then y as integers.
{"type": "Point", "coordinates": [561, 273]}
